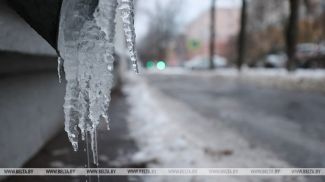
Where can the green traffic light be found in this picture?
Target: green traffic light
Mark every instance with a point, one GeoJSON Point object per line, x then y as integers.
{"type": "Point", "coordinates": [161, 65]}
{"type": "Point", "coordinates": [150, 64]}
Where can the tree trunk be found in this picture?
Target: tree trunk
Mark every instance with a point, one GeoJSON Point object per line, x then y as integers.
{"type": "Point", "coordinates": [212, 33]}
{"type": "Point", "coordinates": [292, 34]}
{"type": "Point", "coordinates": [242, 35]}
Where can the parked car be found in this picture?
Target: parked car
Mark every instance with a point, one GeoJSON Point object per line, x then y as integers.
{"type": "Point", "coordinates": [275, 60]}
{"type": "Point", "coordinates": [310, 55]}
{"type": "Point", "coordinates": [201, 63]}
{"type": "Point", "coordinates": [307, 50]}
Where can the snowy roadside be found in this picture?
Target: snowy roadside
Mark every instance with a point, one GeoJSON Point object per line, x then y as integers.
{"type": "Point", "coordinates": [170, 134]}
{"type": "Point", "coordinates": [310, 80]}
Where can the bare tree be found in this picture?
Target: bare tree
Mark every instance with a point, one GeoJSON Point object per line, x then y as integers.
{"type": "Point", "coordinates": [163, 27]}
{"type": "Point", "coordinates": [242, 35]}
{"type": "Point", "coordinates": [265, 22]}
{"type": "Point", "coordinates": [292, 34]}
{"type": "Point", "coordinates": [212, 33]}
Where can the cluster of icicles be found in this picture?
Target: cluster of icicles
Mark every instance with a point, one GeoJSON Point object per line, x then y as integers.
{"type": "Point", "coordinates": [86, 46]}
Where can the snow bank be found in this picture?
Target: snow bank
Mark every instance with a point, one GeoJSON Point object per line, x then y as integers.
{"type": "Point", "coordinates": [301, 79]}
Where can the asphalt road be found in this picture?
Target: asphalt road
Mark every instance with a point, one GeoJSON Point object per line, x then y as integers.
{"type": "Point", "coordinates": [288, 123]}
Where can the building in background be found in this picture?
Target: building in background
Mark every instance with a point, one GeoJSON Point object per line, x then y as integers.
{"type": "Point", "coordinates": [198, 32]}
{"type": "Point", "coordinates": [195, 39]}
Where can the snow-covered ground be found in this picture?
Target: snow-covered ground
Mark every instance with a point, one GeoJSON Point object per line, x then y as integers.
{"type": "Point", "coordinates": [170, 134]}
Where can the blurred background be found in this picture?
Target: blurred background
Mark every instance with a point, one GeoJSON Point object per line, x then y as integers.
{"type": "Point", "coordinates": [223, 83]}
{"type": "Point", "coordinates": [259, 34]}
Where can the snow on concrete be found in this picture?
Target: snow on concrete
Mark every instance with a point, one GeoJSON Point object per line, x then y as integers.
{"type": "Point", "coordinates": [170, 134]}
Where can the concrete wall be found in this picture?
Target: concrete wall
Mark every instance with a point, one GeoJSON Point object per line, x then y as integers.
{"type": "Point", "coordinates": [30, 107]}
{"type": "Point", "coordinates": [31, 97]}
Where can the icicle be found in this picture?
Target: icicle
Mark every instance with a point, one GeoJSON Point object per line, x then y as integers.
{"type": "Point", "coordinates": [71, 109]}
{"type": "Point", "coordinates": [60, 65]}
{"type": "Point", "coordinates": [93, 137]}
{"type": "Point", "coordinates": [86, 43]}
{"type": "Point", "coordinates": [127, 13]}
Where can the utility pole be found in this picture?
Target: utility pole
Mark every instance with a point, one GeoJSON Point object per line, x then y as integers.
{"type": "Point", "coordinates": [212, 33]}
{"type": "Point", "coordinates": [292, 34]}
{"type": "Point", "coordinates": [242, 35]}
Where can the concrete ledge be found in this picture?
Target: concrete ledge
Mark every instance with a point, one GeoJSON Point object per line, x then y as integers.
{"type": "Point", "coordinates": [12, 63]}
{"type": "Point", "coordinates": [31, 111]}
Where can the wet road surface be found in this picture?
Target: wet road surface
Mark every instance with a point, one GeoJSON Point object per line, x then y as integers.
{"type": "Point", "coordinates": [289, 123]}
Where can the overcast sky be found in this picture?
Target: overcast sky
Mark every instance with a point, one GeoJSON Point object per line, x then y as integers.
{"type": "Point", "coordinates": [191, 9]}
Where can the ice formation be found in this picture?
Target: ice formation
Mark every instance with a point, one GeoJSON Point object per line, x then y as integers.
{"type": "Point", "coordinates": [86, 44]}
{"type": "Point", "coordinates": [127, 13]}
{"type": "Point", "coordinates": [60, 65]}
